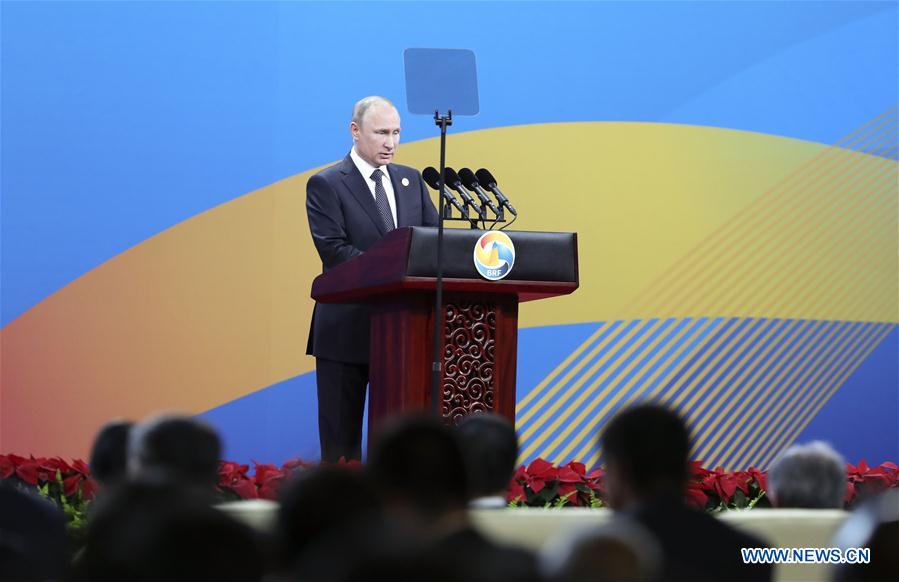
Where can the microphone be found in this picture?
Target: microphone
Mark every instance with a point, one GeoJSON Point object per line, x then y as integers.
{"type": "Point", "coordinates": [451, 178]}
{"type": "Point", "coordinates": [487, 179]}
{"type": "Point", "coordinates": [432, 178]}
{"type": "Point", "coordinates": [471, 182]}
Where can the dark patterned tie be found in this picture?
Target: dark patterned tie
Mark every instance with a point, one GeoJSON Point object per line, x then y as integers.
{"type": "Point", "coordinates": [381, 201]}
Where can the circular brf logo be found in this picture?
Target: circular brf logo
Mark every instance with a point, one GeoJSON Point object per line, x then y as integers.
{"type": "Point", "coordinates": [494, 255]}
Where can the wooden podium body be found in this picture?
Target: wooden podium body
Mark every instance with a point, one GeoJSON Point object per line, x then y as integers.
{"type": "Point", "coordinates": [397, 277]}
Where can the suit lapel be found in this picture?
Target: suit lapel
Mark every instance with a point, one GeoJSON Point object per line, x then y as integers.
{"type": "Point", "coordinates": [356, 184]}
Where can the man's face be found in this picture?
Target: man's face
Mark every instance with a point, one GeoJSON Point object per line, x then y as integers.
{"type": "Point", "coordinates": [378, 134]}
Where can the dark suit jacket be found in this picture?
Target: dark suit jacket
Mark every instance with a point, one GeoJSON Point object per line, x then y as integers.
{"type": "Point", "coordinates": [344, 223]}
{"type": "Point", "coordinates": [32, 537]}
{"type": "Point", "coordinates": [696, 546]}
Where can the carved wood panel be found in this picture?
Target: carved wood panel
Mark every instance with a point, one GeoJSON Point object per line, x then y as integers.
{"type": "Point", "coordinates": [468, 359]}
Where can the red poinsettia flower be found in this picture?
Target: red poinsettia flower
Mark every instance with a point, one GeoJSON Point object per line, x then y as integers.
{"type": "Point", "coordinates": [857, 473]}
{"type": "Point", "coordinates": [578, 468]}
{"type": "Point", "coordinates": [268, 478]}
{"type": "Point", "coordinates": [266, 472]}
{"type": "Point", "coordinates": [568, 475]}
{"type": "Point", "coordinates": [16, 459]}
{"type": "Point", "coordinates": [521, 475]}
{"type": "Point", "coordinates": [725, 484]}
{"type": "Point", "coordinates": [515, 492]}
{"type": "Point", "coordinates": [7, 467]}
{"type": "Point", "coordinates": [891, 473]}
{"type": "Point", "coordinates": [245, 489]}
{"type": "Point", "coordinates": [867, 480]}
{"type": "Point", "coordinates": [29, 472]}
{"type": "Point", "coordinates": [294, 465]}
{"type": "Point", "coordinates": [696, 470]}
{"type": "Point", "coordinates": [850, 493]}
{"type": "Point", "coordinates": [570, 492]}
{"type": "Point", "coordinates": [232, 472]}
{"type": "Point", "coordinates": [538, 473]}
{"type": "Point", "coordinates": [760, 477]}
{"type": "Point", "coordinates": [81, 467]}
{"type": "Point", "coordinates": [742, 479]}
{"type": "Point", "coordinates": [70, 484]}
{"type": "Point", "coordinates": [56, 464]}
{"type": "Point", "coordinates": [88, 489]}
{"type": "Point", "coordinates": [695, 497]}
{"type": "Point", "coordinates": [40, 469]}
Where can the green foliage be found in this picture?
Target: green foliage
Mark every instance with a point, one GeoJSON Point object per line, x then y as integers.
{"type": "Point", "coordinates": [74, 506]}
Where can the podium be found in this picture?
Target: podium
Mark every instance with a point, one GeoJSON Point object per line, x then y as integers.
{"type": "Point", "coordinates": [397, 278]}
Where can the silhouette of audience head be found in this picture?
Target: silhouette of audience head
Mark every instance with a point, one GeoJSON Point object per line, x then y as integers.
{"type": "Point", "coordinates": [811, 476]}
{"type": "Point", "coordinates": [419, 468]}
{"type": "Point", "coordinates": [873, 525]}
{"type": "Point", "coordinates": [417, 465]}
{"type": "Point", "coordinates": [490, 447]}
{"type": "Point", "coordinates": [646, 448]}
{"type": "Point", "coordinates": [109, 454]}
{"type": "Point", "coordinates": [619, 551]}
{"type": "Point", "coordinates": [180, 448]}
{"type": "Point", "coordinates": [318, 508]}
{"type": "Point", "coordinates": [158, 531]}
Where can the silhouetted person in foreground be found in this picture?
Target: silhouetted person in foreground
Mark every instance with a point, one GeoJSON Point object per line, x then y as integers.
{"type": "Point", "coordinates": [109, 454]}
{"type": "Point", "coordinates": [32, 537]}
{"type": "Point", "coordinates": [620, 551]}
{"type": "Point", "coordinates": [326, 516]}
{"type": "Point", "coordinates": [490, 448]}
{"type": "Point", "coordinates": [178, 449]}
{"type": "Point", "coordinates": [158, 531]}
{"type": "Point", "coordinates": [646, 450]}
{"type": "Point", "coordinates": [418, 467]}
{"type": "Point", "coordinates": [812, 476]}
{"type": "Point", "coordinates": [873, 525]}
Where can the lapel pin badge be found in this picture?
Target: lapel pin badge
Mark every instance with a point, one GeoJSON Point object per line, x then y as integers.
{"type": "Point", "coordinates": [405, 181]}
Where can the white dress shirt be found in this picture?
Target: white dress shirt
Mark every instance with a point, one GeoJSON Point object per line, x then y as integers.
{"type": "Point", "coordinates": [366, 170]}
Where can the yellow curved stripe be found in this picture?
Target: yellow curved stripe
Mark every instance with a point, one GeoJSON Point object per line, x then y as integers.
{"type": "Point", "coordinates": [863, 222]}
{"type": "Point", "coordinates": [790, 403]}
{"type": "Point", "coordinates": [670, 337]}
{"type": "Point", "coordinates": [729, 386]}
{"type": "Point", "coordinates": [748, 414]}
{"type": "Point", "coordinates": [658, 295]}
{"type": "Point", "coordinates": [554, 416]}
{"type": "Point", "coordinates": [762, 424]}
{"type": "Point", "coordinates": [741, 385]}
{"type": "Point", "coordinates": [718, 266]}
{"type": "Point", "coordinates": [866, 340]}
{"type": "Point", "coordinates": [702, 386]}
{"type": "Point", "coordinates": [666, 356]}
{"type": "Point", "coordinates": [751, 276]}
{"type": "Point", "coordinates": [800, 424]}
{"type": "Point", "coordinates": [539, 388]}
{"type": "Point", "coordinates": [554, 392]}
{"type": "Point", "coordinates": [752, 224]}
{"type": "Point", "coordinates": [589, 409]}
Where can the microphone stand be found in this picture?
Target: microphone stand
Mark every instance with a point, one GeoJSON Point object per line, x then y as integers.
{"type": "Point", "coordinates": [442, 121]}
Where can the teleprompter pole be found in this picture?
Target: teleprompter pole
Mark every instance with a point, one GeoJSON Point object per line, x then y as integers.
{"type": "Point", "coordinates": [443, 121]}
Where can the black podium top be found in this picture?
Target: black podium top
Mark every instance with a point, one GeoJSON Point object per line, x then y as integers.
{"type": "Point", "coordinates": [545, 265]}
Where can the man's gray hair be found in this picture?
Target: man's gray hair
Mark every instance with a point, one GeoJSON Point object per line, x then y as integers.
{"type": "Point", "coordinates": [177, 447]}
{"type": "Point", "coordinates": [811, 475]}
{"type": "Point", "coordinates": [363, 105]}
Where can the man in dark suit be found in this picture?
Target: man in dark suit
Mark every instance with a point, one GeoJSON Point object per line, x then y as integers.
{"type": "Point", "coordinates": [350, 206]}
{"type": "Point", "coordinates": [646, 450]}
